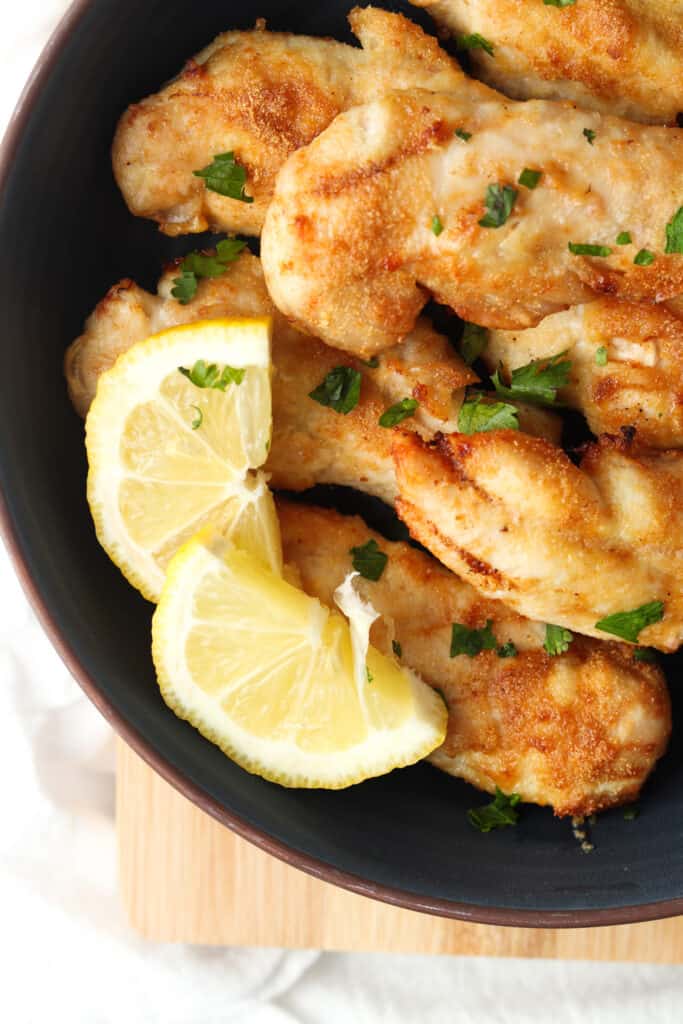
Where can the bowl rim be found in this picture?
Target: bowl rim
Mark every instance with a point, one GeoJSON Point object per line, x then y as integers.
{"type": "Point", "coordinates": [512, 917]}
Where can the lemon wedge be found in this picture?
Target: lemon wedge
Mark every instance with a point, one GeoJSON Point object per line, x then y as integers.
{"type": "Point", "coordinates": [267, 674]}
{"type": "Point", "coordinates": [177, 426]}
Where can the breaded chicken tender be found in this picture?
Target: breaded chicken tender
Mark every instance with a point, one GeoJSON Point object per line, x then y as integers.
{"type": "Point", "coordinates": [259, 95]}
{"type": "Point", "coordinates": [389, 206]}
{"type": "Point", "coordinates": [571, 545]}
{"type": "Point", "coordinates": [626, 365]}
{"type": "Point", "coordinates": [616, 56]}
{"type": "Point", "coordinates": [579, 732]}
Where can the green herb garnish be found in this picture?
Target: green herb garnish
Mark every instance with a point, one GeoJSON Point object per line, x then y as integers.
{"type": "Point", "coordinates": [557, 640]}
{"type": "Point", "coordinates": [538, 381]}
{"type": "Point", "coordinates": [395, 414]}
{"type": "Point", "coordinates": [498, 814]}
{"type": "Point", "coordinates": [628, 625]}
{"type": "Point", "coordinates": [645, 654]}
{"type": "Point", "coordinates": [674, 232]}
{"type": "Point", "coordinates": [199, 418]}
{"type": "Point", "coordinates": [372, 363]}
{"type": "Point", "coordinates": [437, 226]}
{"type": "Point", "coordinates": [396, 648]}
{"type": "Point", "coordinates": [207, 375]}
{"type": "Point", "coordinates": [499, 202]}
{"type": "Point", "coordinates": [369, 674]}
{"type": "Point", "coordinates": [588, 249]}
{"type": "Point", "coordinates": [225, 176]}
{"type": "Point", "coordinates": [340, 390]}
{"type": "Point", "coordinates": [471, 641]}
{"type": "Point", "coordinates": [529, 178]}
{"type": "Point", "coordinates": [643, 258]}
{"type": "Point", "coordinates": [624, 238]}
{"type": "Point", "coordinates": [507, 650]}
{"type": "Point", "coordinates": [474, 42]}
{"type": "Point", "coordinates": [197, 265]}
{"type": "Point", "coordinates": [473, 341]}
{"type": "Point", "coordinates": [478, 417]}
{"type": "Point", "coordinates": [601, 356]}
{"type": "Point", "coordinates": [465, 136]}
{"type": "Point", "coordinates": [369, 560]}
{"type": "Point", "coordinates": [559, 3]}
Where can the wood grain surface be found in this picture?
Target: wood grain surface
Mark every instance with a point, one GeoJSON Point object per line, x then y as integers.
{"type": "Point", "coordinates": [185, 878]}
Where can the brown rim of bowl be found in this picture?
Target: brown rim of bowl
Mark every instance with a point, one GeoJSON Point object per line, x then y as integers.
{"type": "Point", "coordinates": [311, 865]}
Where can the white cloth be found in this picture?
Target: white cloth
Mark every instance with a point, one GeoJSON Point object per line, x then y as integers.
{"type": "Point", "coordinates": [66, 953]}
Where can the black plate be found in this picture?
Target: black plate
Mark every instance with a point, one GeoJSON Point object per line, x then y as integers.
{"type": "Point", "coordinates": [66, 236]}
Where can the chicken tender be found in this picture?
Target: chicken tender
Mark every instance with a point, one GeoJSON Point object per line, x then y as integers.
{"type": "Point", "coordinates": [579, 732]}
{"type": "Point", "coordinates": [389, 205]}
{"type": "Point", "coordinates": [259, 95]}
{"type": "Point", "coordinates": [570, 545]}
{"type": "Point", "coordinates": [616, 56]}
{"type": "Point", "coordinates": [626, 365]}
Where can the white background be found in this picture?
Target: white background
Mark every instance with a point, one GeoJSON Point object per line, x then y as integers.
{"type": "Point", "coordinates": [66, 953]}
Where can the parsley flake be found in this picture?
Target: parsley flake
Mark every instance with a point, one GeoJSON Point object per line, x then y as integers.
{"type": "Point", "coordinates": [499, 202]}
{"type": "Point", "coordinates": [624, 238]}
{"type": "Point", "coordinates": [507, 650]}
{"type": "Point", "coordinates": [204, 375]}
{"type": "Point", "coordinates": [538, 381]}
{"type": "Point", "coordinates": [340, 390]}
{"type": "Point", "coordinates": [199, 418]}
{"type": "Point", "coordinates": [647, 654]}
{"type": "Point", "coordinates": [197, 265]}
{"type": "Point", "coordinates": [471, 641]}
{"type": "Point", "coordinates": [643, 258]}
{"type": "Point", "coordinates": [465, 136]}
{"type": "Point", "coordinates": [628, 625]}
{"type": "Point", "coordinates": [529, 178]}
{"type": "Point", "coordinates": [225, 176]}
{"type": "Point", "coordinates": [601, 356]}
{"type": "Point", "coordinates": [498, 814]}
{"type": "Point", "coordinates": [369, 560]}
{"type": "Point", "coordinates": [185, 287]}
{"type": "Point", "coordinates": [369, 674]}
{"type": "Point", "coordinates": [557, 640]}
{"type": "Point", "coordinates": [588, 249]}
{"type": "Point", "coordinates": [372, 363]}
{"type": "Point", "coordinates": [396, 648]}
{"type": "Point", "coordinates": [395, 414]}
{"type": "Point", "coordinates": [559, 3]}
{"type": "Point", "coordinates": [674, 232]}
{"type": "Point", "coordinates": [473, 341]}
{"type": "Point", "coordinates": [590, 135]}
{"type": "Point", "coordinates": [478, 417]}
{"type": "Point", "coordinates": [437, 226]}
{"type": "Point", "coordinates": [474, 41]}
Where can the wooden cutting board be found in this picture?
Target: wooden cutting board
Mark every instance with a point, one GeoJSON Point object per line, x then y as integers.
{"type": "Point", "coordinates": [185, 878]}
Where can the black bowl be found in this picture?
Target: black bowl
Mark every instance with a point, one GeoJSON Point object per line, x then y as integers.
{"type": "Point", "coordinates": [66, 236]}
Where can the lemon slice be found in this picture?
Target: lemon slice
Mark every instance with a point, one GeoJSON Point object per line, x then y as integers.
{"type": "Point", "coordinates": [171, 449]}
{"type": "Point", "coordinates": [267, 674]}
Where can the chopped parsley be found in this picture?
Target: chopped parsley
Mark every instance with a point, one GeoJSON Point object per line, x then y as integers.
{"type": "Point", "coordinates": [559, 3]}
{"type": "Point", "coordinates": [557, 640]}
{"type": "Point", "coordinates": [529, 178]}
{"type": "Point", "coordinates": [478, 417]}
{"type": "Point", "coordinates": [590, 135]}
{"type": "Point", "coordinates": [395, 414]}
{"type": "Point", "coordinates": [500, 813]}
{"type": "Point", "coordinates": [437, 226]}
{"type": "Point", "coordinates": [396, 648]}
{"type": "Point", "coordinates": [471, 641]}
{"type": "Point", "coordinates": [225, 176]}
{"type": "Point", "coordinates": [339, 390]}
{"type": "Point", "coordinates": [199, 418]}
{"type": "Point", "coordinates": [538, 381]}
{"type": "Point", "coordinates": [369, 674]}
{"type": "Point", "coordinates": [645, 654]}
{"type": "Point", "coordinates": [465, 136]}
{"type": "Point", "coordinates": [474, 42]}
{"type": "Point", "coordinates": [204, 375]}
{"type": "Point", "coordinates": [674, 232]}
{"type": "Point", "coordinates": [200, 264]}
{"type": "Point", "coordinates": [369, 560]}
{"type": "Point", "coordinates": [624, 238]}
{"type": "Point", "coordinates": [507, 650]}
{"type": "Point", "coordinates": [372, 363]}
{"type": "Point", "coordinates": [601, 356]}
{"type": "Point", "coordinates": [473, 341]}
{"type": "Point", "coordinates": [628, 625]}
{"type": "Point", "coordinates": [499, 202]}
{"type": "Point", "coordinates": [643, 258]}
{"type": "Point", "coordinates": [588, 249]}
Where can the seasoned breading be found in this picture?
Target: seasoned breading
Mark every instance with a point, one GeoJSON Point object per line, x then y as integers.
{"type": "Point", "coordinates": [617, 56]}
{"type": "Point", "coordinates": [259, 95]}
{"type": "Point", "coordinates": [627, 365]}
{"type": "Point", "coordinates": [570, 545]}
{"type": "Point", "coordinates": [350, 254]}
{"type": "Point", "coordinates": [579, 732]}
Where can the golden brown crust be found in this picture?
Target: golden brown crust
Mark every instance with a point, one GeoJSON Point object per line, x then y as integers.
{"type": "Point", "coordinates": [616, 56]}
{"type": "Point", "coordinates": [580, 731]}
{"type": "Point", "coordinates": [261, 95]}
{"type": "Point", "coordinates": [348, 249]}
{"type": "Point", "coordinates": [571, 545]}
